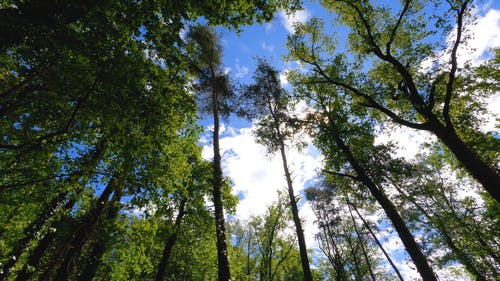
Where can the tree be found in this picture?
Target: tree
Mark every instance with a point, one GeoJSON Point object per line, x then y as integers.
{"type": "Point", "coordinates": [345, 137]}
{"type": "Point", "coordinates": [272, 242]}
{"type": "Point", "coordinates": [397, 44]}
{"type": "Point", "coordinates": [189, 201]}
{"type": "Point", "coordinates": [214, 86]}
{"type": "Point", "coordinates": [269, 103]}
{"type": "Point", "coordinates": [79, 73]}
{"type": "Point", "coordinates": [349, 251]}
{"type": "Point", "coordinates": [452, 220]}
{"type": "Point", "coordinates": [265, 246]}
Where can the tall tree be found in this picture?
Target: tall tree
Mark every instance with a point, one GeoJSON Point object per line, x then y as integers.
{"type": "Point", "coordinates": [73, 73]}
{"type": "Point", "coordinates": [269, 104]}
{"type": "Point", "coordinates": [216, 93]}
{"type": "Point", "coordinates": [349, 251]}
{"type": "Point", "coordinates": [451, 219]}
{"type": "Point", "coordinates": [345, 138]}
{"type": "Point", "coordinates": [397, 44]}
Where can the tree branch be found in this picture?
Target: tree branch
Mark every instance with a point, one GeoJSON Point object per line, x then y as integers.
{"type": "Point", "coordinates": [39, 140]}
{"type": "Point", "coordinates": [454, 64]}
{"type": "Point", "coordinates": [341, 175]}
{"type": "Point", "coordinates": [369, 34]}
{"type": "Point", "coordinates": [393, 33]}
{"type": "Point", "coordinates": [371, 102]}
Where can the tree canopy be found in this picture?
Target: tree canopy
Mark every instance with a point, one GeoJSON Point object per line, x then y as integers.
{"type": "Point", "coordinates": [104, 173]}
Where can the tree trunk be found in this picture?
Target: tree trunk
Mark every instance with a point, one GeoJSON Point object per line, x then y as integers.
{"type": "Point", "coordinates": [440, 227]}
{"type": "Point", "coordinates": [30, 232]}
{"type": "Point", "coordinates": [84, 231]}
{"type": "Point", "coordinates": [295, 213]}
{"type": "Point", "coordinates": [35, 257]}
{"type": "Point", "coordinates": [37, 254]}
{"type": "Point", "coordinates": [170, 242]}
{"type": "Point", "coordinates": [49, 211]}
{"type": "Point", "coordinates": [411, 246]}
{"type": "Point", "coordinates": [389, 259]}
{"type": "Point", "coordinates": [486, 175]}
{"type": "Point", "coordinates": [220, 229]}
{"type": "Point", "coordinates": [354, 255]}
{"type": "Point", "coordinates": [98, 248]}
{"type": "Point", "coordinates": [360, 239]}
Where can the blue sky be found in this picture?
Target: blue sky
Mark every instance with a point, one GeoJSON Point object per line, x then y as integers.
{"type": "Point", "coordinates": [256, 176]}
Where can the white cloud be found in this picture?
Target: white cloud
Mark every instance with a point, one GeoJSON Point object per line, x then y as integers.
{"type": "Point", "coordinates": [311, 228]}
{"type": "Point", "coordinates": [259, 177]}
{"type": "Point", "coordinates": [284, 78]}
{"type": "Point", "coordinates": [484, 36]}
{"type": "Point", "coordinates": [408, 142]}
{"type": "Point", "coordinates": [265, 46]}
{"type": "Point", "coordinates": [289, 20]}
{"type": "Point", "coordinates": [241, 71]}
{"type": "Point", "coordinates": [493, 107]}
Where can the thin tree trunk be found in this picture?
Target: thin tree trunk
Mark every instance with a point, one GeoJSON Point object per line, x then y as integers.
{"type": "Point", "coordinates": [411, 246]}
{"type": "Point", "coordinates": [35, 257]}
{"type": "Point", "coordinates": [332, 252]}
{"type": "Point", "coordinates": [372, 275]}
{"type": "Point", "coordinates": [248, 249]}
{"type": "Point", "coordinates": [295, 214]}
{"type": "Point", "coordinates": [220, 228]}
{"type": "Point", "coordinates": [440, 226]}
{"type": "Point", "coordinates": [37, 254]}
{"type": "Point", "coordinates": [354, 255]}
{"type": "Point", "coordinates": [171, 241]}
{"type": "Point", "coordinates": [389, 259]}
{"type": "Point", "coordinates": [31, 231]}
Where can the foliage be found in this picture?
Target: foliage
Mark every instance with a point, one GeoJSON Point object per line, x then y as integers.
{"type": "Point", "coordinates": [264, 247]}
{"type": "Point", "coordinates": [101, 173]}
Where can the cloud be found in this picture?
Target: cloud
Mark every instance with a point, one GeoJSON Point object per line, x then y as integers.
{"type": "Point", "coordinates": [283, 78]}
{"type": "Point", "coordinates": [477, 41]}
{"type": "Point", "coordinates": [408, 142]}
{"type": "Point", "coordinates": [241, 71]}
{"type": "Point", "coordinates": [289, 20]}
{"type": "Point", "coordinates": [257, 177]}
{"type": "Point", "coordinates": [484, 36]}
{"type": "Point", "coordinates": [493, 107]}
{"type": "Point", "coordinates": [265, 46]}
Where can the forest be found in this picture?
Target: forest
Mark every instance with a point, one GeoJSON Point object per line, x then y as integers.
{"type": "Point", "coordinates": [102, 167]}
